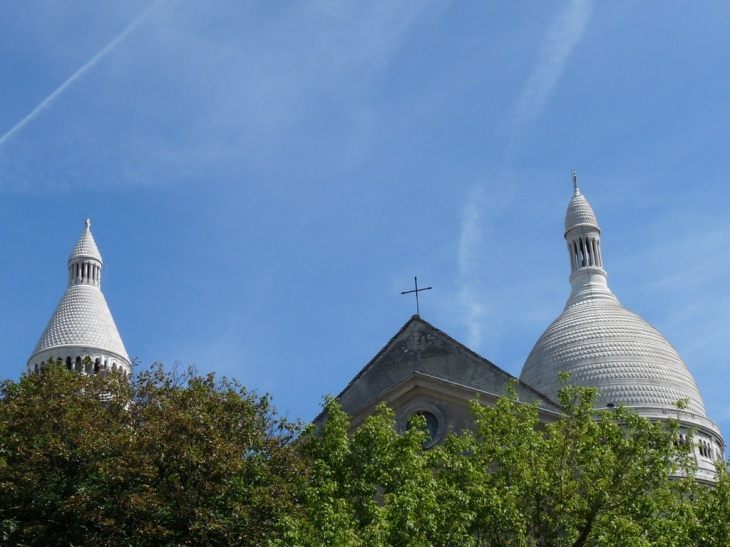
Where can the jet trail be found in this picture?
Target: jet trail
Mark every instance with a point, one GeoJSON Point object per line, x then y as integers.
{"type": "Point", "coordinates": [76, 75]}
{"type": "Point", "coordinates": [562, 37]}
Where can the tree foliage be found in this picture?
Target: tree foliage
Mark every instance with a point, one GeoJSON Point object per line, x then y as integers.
{"type": "Point", "coordinates": [171, 459]}
{"type": "Point", "coordinates": [167, 459]}
{"type": "Point", "coordinates": [594, 478]}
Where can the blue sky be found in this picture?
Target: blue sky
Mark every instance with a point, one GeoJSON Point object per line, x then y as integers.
{"type": "Point", "coordinates": [265, 178]}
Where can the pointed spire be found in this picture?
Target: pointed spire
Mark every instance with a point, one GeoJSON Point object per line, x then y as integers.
{"type": "Point", "coordinates": [82, 325]}
{"type": "Point", "coordinates": [579, 212]}
{"type": "Point", "coordinates": [84, 264]}
{"type": "Point", "coordinates": [86, 246]}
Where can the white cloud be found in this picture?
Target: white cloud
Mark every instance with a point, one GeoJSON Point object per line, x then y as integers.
{"type": "Point", "coordinates": [477, 257]}
{"type": "Point", "coordinates": [239, 82]}
{"type": "Point", "coordinates": [469, 245]}
{"type": "Point", "coordinates": [563, 35]}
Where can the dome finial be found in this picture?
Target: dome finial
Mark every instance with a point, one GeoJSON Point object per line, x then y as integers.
{"type": "Point", "coordinates": [88, 223]}
{"type": "Point", "coordinates": [575, 182]}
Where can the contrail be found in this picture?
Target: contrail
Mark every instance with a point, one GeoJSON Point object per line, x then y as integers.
{"type": "Point", "coordinates": [565, 32]}
{"type": "Point", "coordinates": [76, 75]}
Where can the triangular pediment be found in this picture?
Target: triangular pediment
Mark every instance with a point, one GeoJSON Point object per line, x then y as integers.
{"type": "Point", "coordinates": [420, 350]}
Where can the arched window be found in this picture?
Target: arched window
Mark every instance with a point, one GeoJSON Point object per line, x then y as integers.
{"type": "Point", "coordinates": [704, 447]}
{"type": "Point", "coordinates": [68, 363]}
{"type": "Point", "coordinates": [96, 365]}
{"type": "Point", "coordinates": [78, 364]}
{"type": "Point", "coordinates": [36, 367]}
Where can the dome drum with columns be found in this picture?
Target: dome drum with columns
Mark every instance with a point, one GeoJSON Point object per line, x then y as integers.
{"type": "Point", "coordinates": [604, 345]}
{"type": "Point", "coordinates": [82, 325]}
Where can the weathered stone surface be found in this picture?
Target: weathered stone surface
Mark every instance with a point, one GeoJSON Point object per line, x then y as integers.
{"type": "Point", "coordinates": [424, 369]}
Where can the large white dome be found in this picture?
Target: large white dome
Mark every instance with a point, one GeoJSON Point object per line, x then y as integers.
{"type": "Point", "coordinates": [604, 345]}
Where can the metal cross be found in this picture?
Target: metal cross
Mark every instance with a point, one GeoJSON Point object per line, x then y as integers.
{"type": "Point", "coordinates": [417, 290]}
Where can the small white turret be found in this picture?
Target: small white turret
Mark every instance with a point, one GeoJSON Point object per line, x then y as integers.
{"type": "Point", "coordinates": [82, 325]}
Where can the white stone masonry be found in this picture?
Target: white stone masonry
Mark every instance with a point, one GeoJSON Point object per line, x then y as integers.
{"type": "Point", "coordinates": [604, 345]}
{"type": "Point", "coordinates": [82, 325]}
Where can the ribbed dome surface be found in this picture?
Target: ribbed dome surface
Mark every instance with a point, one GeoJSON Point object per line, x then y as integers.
{"type": "Point", "coordinates": [82, 319]}
{"type": "Point", "coordinates": [579, 212]}
{"type": "Point", "coordinates": [86, 247]}
{"type": "Point", "coordinates": [604, 345]}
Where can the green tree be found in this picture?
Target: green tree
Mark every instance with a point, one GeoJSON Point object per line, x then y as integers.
{"type": "Point", "coordinates": [164, 460]}
{"type": "Point", "coordinates": [57, 430]}
{"type": "Point", "coordinates": [374, 487]}
{"type": "Point", "coordinates": [593, 478]}
{"type": "Point", "coordinates": [184, 459]}
{"type": "Point", "coordinates": [712, 511]}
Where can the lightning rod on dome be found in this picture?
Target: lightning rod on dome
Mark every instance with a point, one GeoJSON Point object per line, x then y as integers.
{"type": "Point", "coordinates": [575, 179]}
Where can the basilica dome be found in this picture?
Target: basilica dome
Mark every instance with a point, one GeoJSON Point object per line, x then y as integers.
{"type": "Point", "coordinates": [604, 345]}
